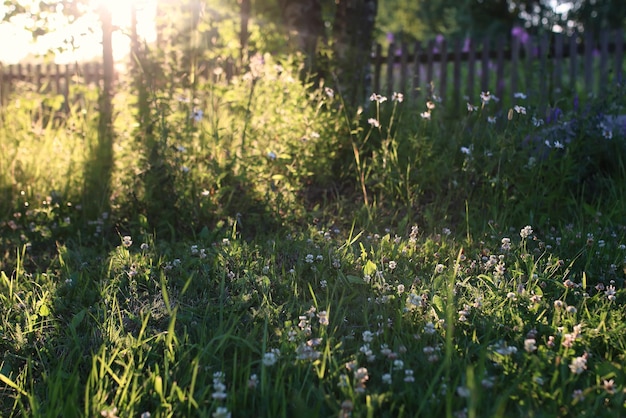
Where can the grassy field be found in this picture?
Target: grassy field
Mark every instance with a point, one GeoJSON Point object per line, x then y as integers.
{"type": "Point", "coordinates": [257, 249]}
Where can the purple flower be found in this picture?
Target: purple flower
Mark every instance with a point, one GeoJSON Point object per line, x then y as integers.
{"type": "Point", "coordinates": [554, 115]}
{"type": "Point", "coordinates": [520, 33]}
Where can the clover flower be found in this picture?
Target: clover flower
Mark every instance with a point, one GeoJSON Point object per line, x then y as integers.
{"type": "Point", "coordinates": [221, 412]}
{"type": "Point", "coordinates": [530, 345]}
{"type": "Point", "coordinates": [526, 231]}
{"type": "Point", "coordinates": [112, 413]}
{"type": "Point", "coordinates": [218, 386]}
{"type": "Point", "coordinates": [368, 336]}
{"type": "Point", "coordinates": [466, 150]}
{"type": "Point", "coordinates": [253, 381]}
{"type": "Point", "coordinates": [409, 376]}
{"type": "Point", "coordinates": [463, 392]}
{"type": "Point", "coordinates": [610, 292]}
{"type": "Point", "coordinates": [323, 318]}
{"type": "Point", "coordinates": [373, 122]}
{"type": "Point", "coordinates": [578, 364]}
{"type": "Point", "coordinates": [429, 328]}
{"type": "Point", "coordinates": [505, 350]}
{"type": "Point", "coordinates": [271, 357]}
{"type": "Point", "coordinates": [578, 395]}
{"type": "Point", "coordinates": [386, 378]}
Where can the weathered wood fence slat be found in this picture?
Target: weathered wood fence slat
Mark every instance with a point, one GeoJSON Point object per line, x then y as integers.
{"type": "Point", "coordinates": [542, 67]}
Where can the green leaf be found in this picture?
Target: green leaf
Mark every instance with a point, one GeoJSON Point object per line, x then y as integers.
{"type": "Point", "coordinates": [4, 379]}
{"type": "Point", "coordinates": [438, 305]}
{"type": "Point", "coordinates": [354, 279]}
{"type": "Point", "coordinates": [44, 310]}
{"type": "Point", "coordinates": [158, 386]}
{"type": "Point", "coordinates": [77, 319]}
{"type": "Point", "coordinates": [369, 268]}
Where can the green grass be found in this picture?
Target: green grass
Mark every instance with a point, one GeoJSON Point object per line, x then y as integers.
{"type": "Point", "coordinates": [283, 256]}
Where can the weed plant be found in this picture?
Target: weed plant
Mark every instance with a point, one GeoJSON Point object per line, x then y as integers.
{"type": "Point", "coordinates": [315, 260]}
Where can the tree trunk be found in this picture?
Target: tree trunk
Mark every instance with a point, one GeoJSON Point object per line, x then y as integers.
{"type": "Point", "coordinates": [353, 36]}
{"type": "Point", "coordinates": [303, 19]}
{"type": "Point", "coordinates": [245, 8]}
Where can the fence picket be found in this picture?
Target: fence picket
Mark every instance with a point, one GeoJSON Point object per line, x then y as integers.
{"type": "Point", "coordinates": [416, 70]}
{"type": "Point", "coordinates": [539, 66]}
{"type": "Point", "coordinates": [589, 60]}
{"type": "Point", "coordinates": [429, 66]}
{"type": "Point", "coordinates": [391, 55]}
{"type": "Point", "coordinates": [619, 54]}
{"type": "Point", "coordinates": [542, 51]}
{"type": "Point", "coordinates": [515, 51]}
{"type": "Point", "coordinates": [484, 65]}
{"type": "Point", "coordinates": [471, 70]}
{"type": "Point", "coordinates": [573, 57]}
{"type": "Point", "coordinates": [558, 62]}
{"type": "Point", "coordinates": [603, 71]}
{"type": "Point", "coordinates": [500, 68]}
{"type": "Point", "coordinates": [404, 56]}
{"type": "Point", "coordinates": [456, 83]}
{"type": "Point", "coordinates": [443, 69]}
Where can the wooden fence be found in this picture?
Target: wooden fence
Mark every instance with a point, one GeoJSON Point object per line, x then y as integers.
{"type": "Point", "coordinates": [48, 78]}
{"type": "Point", "coordinates": [541, 67]}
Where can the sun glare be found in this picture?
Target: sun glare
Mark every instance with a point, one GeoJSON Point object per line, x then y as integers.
{"type": "Point", "coordinates": [84, 34]}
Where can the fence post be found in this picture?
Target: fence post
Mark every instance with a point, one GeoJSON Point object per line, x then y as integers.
{"type": "Point", "coordinates": [529, 57]}
{"type": "Point", "coordinates": [429, 66]}
{"type": "Point", "coordinates": [588, 61]}
{"type": "Point", "coordinates": [500, 70]}
{"type": "Point", "coordinates": [404, 50]}
{"type": "Point", "coordinates": [456, 93]}
{"type": "Point", "coordinates": [604, 52]}
{"type": "Point", "coordinates": [543, 49]}
{"type": "Point", "coordinates": [443, 70]}
{"type": "Point", "coordinates": [471, 70]}
{"type": "Point", "coordinates": [416, 69]}
{"type": "Point", "coordinates": [391, 59]}
{"type": "Point", "coordinates": [484, 65]}
{"type": "Point", "coordinates": [558, 63]}
{"type": "Point", "coordinates": [377, 67]}
{"type": "Point", "coordinates": [619, 54]}
{"type": "Point", "coordinates": [515, 48]}
{"type": "Point", "coordinates": [573, 58]}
